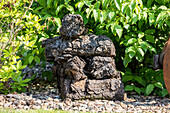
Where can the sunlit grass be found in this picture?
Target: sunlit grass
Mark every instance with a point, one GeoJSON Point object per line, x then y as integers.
{"type": "Point", "coordinates": [7, 110]}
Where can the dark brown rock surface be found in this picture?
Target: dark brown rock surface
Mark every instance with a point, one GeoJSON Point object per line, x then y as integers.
{"type": "Point", "coordinates": [72, 26]}
{"type": "Point", "coordinates": [84, 64]}
{"type": "Point", "coordinates": [105, 89]}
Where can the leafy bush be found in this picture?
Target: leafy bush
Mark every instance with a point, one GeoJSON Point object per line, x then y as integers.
{"type": "Point", "coordinates": [147, 81]}
{"type": "Point", "coordinates": [138, 29]}
{"type": "Point", "coordinates": [19, 43]}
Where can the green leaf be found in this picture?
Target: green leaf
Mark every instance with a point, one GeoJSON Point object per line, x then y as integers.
{"type": "Point", "coordinates": [111, 15]}
{"type": "Point", "coordinates": [141, 51]}
{"type": "Point", "coordinates": [118, 5]}
{"type": "Point", "coordinates": [105, 3]}
{"type": "Point", "coordinates": [134, 19]}
{"type": "Point", "coordinates": [128, 88]}
{"type": "Point", "coordinates": [88, 3]}
{"type": "Point", "coordinates": [150, 31]}
{"type": "Point", "coordinates": [88, 11]}
{"type": "Point", "coordinates": [59, 9]}
{"type": "Point", "coordinates": [149, 89]}
{"type": "Point", "coordinates": [132, 54]}
{"type": "Point", "coordinates": [80, 5]}
{"type": "Point", "coordinates": [160, 1]}
{"type": "Point", "coordinates": [37, 59]}
{"type": "Point", "coordinates": [70, 8]}
{"type": "Point", "coordinates": [127, 78]}
{"type": "Point", "coordinates": [161, 16]}
{"type": "Point", "coordinates": [113, 28]}
{"type": "Point", "coordinates": [139, 57]}
{"type": "Point", "coordinates": [48, 3]}
{"type": "Point", "coordinates": [141, 34]}
{"type": "Point", "coordinates": [150, 38]}
{"type": "Point", "coordinates": [119, 30]}
{"type": "Point", "coordinates": [124, 7]}
{"type": "Point", "coordinates": [30, 44]}
{"type": "Point", "coordinates": [129, 49]}
{"type": "Point", "coordinates": [42, 2]}
{"type": "Point", "coordinates": [163, 7]}
{"type": "Point", "coordinates": [126, 26]}
{"type": "Point", "coordinates": [23, 85]}
{"type": "Point", "coordinates": [26, 80]}
{"type": "Point", "coordinates": [151, 18]}
{"type": "Point", "coordinates": [140, 23]}
{"type": "Point", "coordinates": [126, 60]}
{"type": "Point", "coordinates": [66, 1]}
{"type": "Point", "coordinates": [131, 41]}
{"type": "Point", "coordinates": [96, 14]}
{"type": "Point", "coordinates": [159, 85]}
{"type": "Point", "coordinates": [103, 16]}
{"type": "Point", "coordinates": [31, 58]}
{"type": "Point", "coordinates": [139, 80]}
{"type": "Point", "coordinates": [143, 90]}
{"type": "Point", "coordinates": [137, 90]}
{"type": "Point", "coordinates": [97, 5]}
{"type": "Point", "coordinates": [22, 67]}
{"type": "Point", "coordinates": [144, 46]}
{"type": "Point", "coordinates": [152, 49]}
{"type": "Point", "coordinates": [164, 92]}
{"type": "Point", "coordinates": [149, 3]}
{"type": "Point", "coordinates": [37, 9]}
{"type": "Point", "coordinates": [19, 88]}
{"type": "Point", "coordinates": [19, 64]}
{"type": "Point", "coordinates": [58, 22]}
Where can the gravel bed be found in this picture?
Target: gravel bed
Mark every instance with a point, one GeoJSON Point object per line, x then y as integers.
{"type": "Point", "coordinates": [46, 96]}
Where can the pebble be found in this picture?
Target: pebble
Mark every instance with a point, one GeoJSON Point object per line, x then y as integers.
{"type": "Point", "coordinates": [42, 98]}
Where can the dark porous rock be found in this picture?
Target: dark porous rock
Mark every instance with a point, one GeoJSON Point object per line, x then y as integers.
{"type": "Point", "coordinates": [73, 89]}
{"type": "Point", "coordinates": [74, 68]}
{"type": "Point", "coordinates": [48, 45]}
{"type": "Point", "coordinates": [83, 63]}
{"type": "Point", "coordinates": [72, 26]}
{"type": "Point", "coordinates": [102, 67]}
{"type": "Point", "coordinates": [105, 89]}
{"type": "Point", "coordinates": [85, 45]}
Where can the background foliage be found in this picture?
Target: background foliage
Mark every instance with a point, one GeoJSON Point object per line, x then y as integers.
{"type": "Point", "coordinates": [138, 28]}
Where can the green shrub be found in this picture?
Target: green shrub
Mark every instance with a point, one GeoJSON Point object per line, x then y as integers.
{"type": "Point", "coordinates": [19, 43]}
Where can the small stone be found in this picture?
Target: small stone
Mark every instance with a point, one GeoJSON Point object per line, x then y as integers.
{"type": "Point", "coordinates": [26, 107]}
{"type": "Point", "coordinates": [7, 105]}
{"type": "Point", "coordinates": [38, 102]}
{"type": "Point", "coordinates": [50, 99]}
{"type": "Point", "coordinates": [68, 101]}
{"type": "Point", "coordinates": [16, 102]}
{"type": "Point", "coordinates": [20, 107]}
{"type": "Point", "coordinates": [123, 105]}
{"type": "Point", "coordinates": [1, 103]}
{"type": "Point", "coordinates": [125, 97]}
{"type": "Point", "coordinates": [36, 107]}
{"type": "Point", "coordinates": [42, 98]}
{"type": "Point", "coordinates": [131, 106]}
{"type": "Point", "coordinates": [75, 108]}
{"type": "Point", "coordinates": [165, 100]}
{"type": "Point", "coordinates": [10, 95]}
{"type": "Point", "coordinates": [56, 100]}
{"type": "Point", "coordinates": [61, 106]}
{"type": "Point", "coordinates": [23, 102]}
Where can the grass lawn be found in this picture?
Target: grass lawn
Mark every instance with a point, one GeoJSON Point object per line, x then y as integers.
{"type": "Point", "coordinates": [5, 110]}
